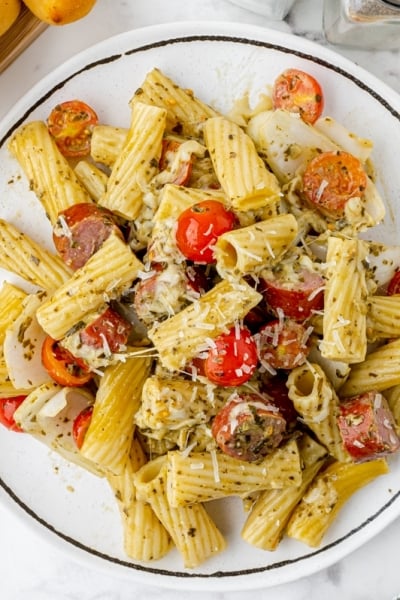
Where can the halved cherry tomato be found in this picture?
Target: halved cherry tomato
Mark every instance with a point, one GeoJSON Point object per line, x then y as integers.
{"type": "Point", "coordinates": [394, 284]}
{"type": "Point", "coordinates": [8, 406]}
{"type": "Point", "coordinates": [81, 425]}
{"type": "Point", "coordinates": [298, 298]}
{"type": "Point", "coordinates": [199, 227]}
{"type": "Point", "coordinates": [180, 173]}
{"type": "Point", "coordinates": [333, 178]}
{"type": "Point", "coordinates": [71, 124]}
{"type": "Point", "coordinates": [282, 344]}
{"type": "Point", "coordinates": [80, 230]}
{"type": "Point", "coordinates": [297, 91]}
{"type": "Point", "coordinates": [62, 366]}
{"type": "Point", "coordinates": [367, 426]}
{"type": "Point", "coordinates": [233, 358]}
{"type": "Point", "coordinates": [248, 427]}
{"type": "Point", "coordinates": [110, 330]}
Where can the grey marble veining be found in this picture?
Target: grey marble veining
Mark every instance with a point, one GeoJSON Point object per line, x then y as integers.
{"type": "Point", "coordinates": [31, 568]}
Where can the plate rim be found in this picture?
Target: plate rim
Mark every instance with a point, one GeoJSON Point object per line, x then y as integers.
{"type": "Point", "coordinates": [187, 31]}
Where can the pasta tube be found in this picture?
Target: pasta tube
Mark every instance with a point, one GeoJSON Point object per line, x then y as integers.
{"type": "Point", "coordinates": [109, 436]}
{"type": "Point", "coordinates": [106, 144]}
{"type": "Point", "coordinates": [327, 494]}
{"type": "Point", "coordinates": [11, 306]}
{"type": "Point", "coordinates": [145, 538]}
{"type": "Point", "coordinates": [48, 172]}
{"type": "Point", "coordinates": [383, 317]}
{"type": "Point", "coordinates": [241, 172]}
{"type": "Point", "coordinates": [174, 199]}
{"type": "Point", "coordinates": [345, 302]}
{"type": "Point", "coordinates": [105, 275]}
{"type": "Point", "coordinates": [265, 525]}
{"type": "Point", "coordinates": [379, 371]}
{"type": "Point", "coordinates": [183, 336]}
{"type": "Point", "coordinates": [255, 247]}
{"type": "Point", "coordinates": [315, 400]}
{"type": "Point", "coordinates": [194, 533]}
{"type": "Point", "coordinates": [137, 163]}
{"type": "Point", "coordinates": [185, 112]}
{"type": "Point", "coordinates": [204, 476]}
{"type": "Point", "coordinates": [92, 178]}
{"type": "Point", "coordinates": [24, 257]}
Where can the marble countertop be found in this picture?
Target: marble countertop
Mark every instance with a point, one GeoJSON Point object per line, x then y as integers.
{"type": "Point", "coordinates": [32, 569]}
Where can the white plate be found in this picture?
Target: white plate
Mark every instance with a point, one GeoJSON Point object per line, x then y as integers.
{"type": "Point", "coordinates": [220, 62]}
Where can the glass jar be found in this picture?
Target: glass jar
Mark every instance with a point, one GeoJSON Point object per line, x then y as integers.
{"type": "Point", "coordinates": [373, 24]}
{"type": "Point", "coordinates": [274, 9]}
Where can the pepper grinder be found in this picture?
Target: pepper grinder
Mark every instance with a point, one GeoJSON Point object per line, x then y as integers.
{"type": "Point", "coordinates": [372, 24]}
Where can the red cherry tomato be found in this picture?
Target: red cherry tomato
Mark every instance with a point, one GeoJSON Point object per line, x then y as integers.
{"type": "Point", "coordinates": [199, 227]}
{"type": "Point", "coordinates": [8, 406]}
{"type": "Point", "coordinates": [80, 230]}
{"type": "Point", "coordinates": [71, 124]}
{"type": "Point", "coordinates": [110, 331]}
{"type": "Point", "coordinates": [248, 427]}
{"type": "Point", "coordinates": [297, 91]}
{"type": "Point", "coordinates": [81, 425]}
{"type": "Point", "coordinates": [62, 366]}
{"type": "Point", "coordinates": [367, 426]}
{"type": "Point", "coordinates": [297, 299]}
{"type": "Point", "coordinates": [282, 344]}
{"type": "Point", "coordinates": [333, 178]}
{"type": "Point", "coordinates": [180, 173]}
{"type": "Point", "coordinates": [394, 285]}
{"type": "Point", "coordinates": [233, 359]}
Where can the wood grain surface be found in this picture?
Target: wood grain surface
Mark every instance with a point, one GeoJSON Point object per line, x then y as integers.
{"type": "Point", "coordinates": [22, 33]}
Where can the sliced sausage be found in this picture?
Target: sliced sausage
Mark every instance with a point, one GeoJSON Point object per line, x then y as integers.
{"type": "Point", "coordinates": [282, 344]}
{"type": "Point", "coordinates": [367, 426]}
{"type": "Point", "coordinates": [80, 230]}
{"type": "Point", "coordinates": [248, 427]}
{"type": "Point", "coordinates": [298, 297]}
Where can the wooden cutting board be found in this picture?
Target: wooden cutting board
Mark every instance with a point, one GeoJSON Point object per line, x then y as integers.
{"type": "Point", "coordinates": [22, 33]}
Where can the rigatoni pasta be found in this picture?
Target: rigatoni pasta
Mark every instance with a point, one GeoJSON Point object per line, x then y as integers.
{"type": "Point", "coordinates": [208, 374]}
{"type": "Point", "coordinates": [25, 257]}
{"type": "Point", "coordinates": [317, 403]}
{"type": "Point", "coordinates": [194, 533]}
{"type": "Point", "coordinates": [109, 437]}
{"type": "Point", "coordinates": [49, 173]}
{"type": "Point", "coordinates": [205, 476]}
{"type": "Point", "coordinates": [137, 162]}
{"type": "Point", "coordinates": [344, 322]}
{"type": "Point", "coordinates": [331, 488]}
{"type": "Point", "coordinates": [255, 247]}
{"type": "Point", "coordinates": [103, 277]}
{"type": "Point", "coordinates": [241, 172]}
{"type": "Point", "coordinates": [184, 110]}
{"type": "Point", "coordinates": [201, 321]}
{"type": "Point", "coordinates": [145, 538]}
{"type": "Point", "coordinates": [267, 521]}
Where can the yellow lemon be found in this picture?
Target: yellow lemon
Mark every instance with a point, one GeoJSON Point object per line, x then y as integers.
{"type": "Point", "coordinates": [9, 11]}
{"type": "Point", "coordinates": [60, 12]}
